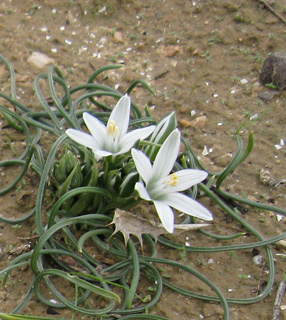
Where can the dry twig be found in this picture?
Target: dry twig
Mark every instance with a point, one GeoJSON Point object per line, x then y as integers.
{"type": "Point", "coordinates": [268, 6]}
{"type": "Point", "coordinates": [278, 299]}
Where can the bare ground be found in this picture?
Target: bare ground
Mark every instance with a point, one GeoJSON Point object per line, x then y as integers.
{"type": "Point", "coordinates": [202, 58]}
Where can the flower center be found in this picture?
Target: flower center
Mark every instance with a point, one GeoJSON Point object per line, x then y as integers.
{"type": "Point", "coordinates": [173, 180]}
{"type": "Point", "coordinates": [112, 129]}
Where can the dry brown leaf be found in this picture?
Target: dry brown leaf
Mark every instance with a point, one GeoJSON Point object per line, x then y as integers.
{"type": "Point", "coordinates": [128, 223]}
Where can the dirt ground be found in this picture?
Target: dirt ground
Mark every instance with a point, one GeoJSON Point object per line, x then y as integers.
{"type": "Point", "coordinates": [202, 58]}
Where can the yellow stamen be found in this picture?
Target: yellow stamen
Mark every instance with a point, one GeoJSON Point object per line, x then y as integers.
{"type": "Point", "coordinates": [112, 129]}
{"type": "Point", "coordinates": [173, 180]}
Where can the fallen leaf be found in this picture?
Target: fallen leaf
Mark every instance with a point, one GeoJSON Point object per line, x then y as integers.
{"type": "Point", "coordinates": [128, 223]}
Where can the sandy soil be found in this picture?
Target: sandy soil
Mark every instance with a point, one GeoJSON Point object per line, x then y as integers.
{"type": "Point", "coordinates": [202, 58]}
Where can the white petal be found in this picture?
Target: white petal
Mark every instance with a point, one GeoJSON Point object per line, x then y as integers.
{"type": "Point", "coordinates": [82, 138]}
{"type": "Point", "coordinates": [121, 114]}
{"type": "Point", "coordinates": [142, 164]}
{"type": "Point", "coordinates": [167, 155]}
{"type": "Point", "coordinates": [187, 205]}
{"type": "Point", "coordinates": [161, 128]}
{"type": "Point", "coordinates": [95, 127]}
{"type": "Point", "coordinates": [166, 215]}
{"type": "Point", "coordinates": [127, 142]}
{"type": "Point", "coordinates": [143, 193]}
{"type": "Point", "coordinates": [101, 153]}
{"type": "Point", "coordinates": [186, 179]}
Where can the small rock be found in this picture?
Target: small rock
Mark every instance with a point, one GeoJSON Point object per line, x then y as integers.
{"type": "Point", "coordinates": [171, 50]}
{"type": "Point", "coordinates": [168, 51]}
{"type": "Point", "coordinates": [274, 70]}
{"type": "Point", "coordinates": [282, 243]}
{"type": "Point", "coordinates": [199, 122]}
{"type": "Point", "coordinates": [258, 260]}
{"type": "Point", "coordinates": [118, 37]}
{"type": "Point", "coordinates": [40, 60]}
{"type": "Point", "coordinates": [264, 176]}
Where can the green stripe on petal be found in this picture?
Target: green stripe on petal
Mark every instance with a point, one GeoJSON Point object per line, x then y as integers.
{"type": "Point", "coordinates": [167, 155]}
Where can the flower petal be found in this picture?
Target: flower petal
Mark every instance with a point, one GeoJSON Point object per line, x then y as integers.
{"type": "Point", "coordinates": [166, 215]}
{"type": "Point", "coordinates": [187, 205]}
{"type": "Point", "coordinates": [101, 153]}
{"type": "Point", "coordinates": [121, 114]}
{"type": "Point", "coordinates": [186, 179]}
{"type": "Point", "coordinates": [162, 127]}
{"type": "Point", "coordinates": [143, 193]}
{"type": "Point", "coordinates": [95, 127]}
{"type": "Point", "coordinates": [131, 137]}
{"type": "Point", "coordinates": [167, 156]}
{"type": "Point", "coordinates": [142, 164]}
{"type": "Point", "coordinates": [82, 138]}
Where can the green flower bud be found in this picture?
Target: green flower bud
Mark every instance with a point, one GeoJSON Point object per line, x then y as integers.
{"type": "Point", "coordinates": [60, 171]}
{"type": "Point", "coordinates": [67, 185]}
{"type": "Point", "coordinates": [70, 160]}
{"type": "Point", "coordinates": [113, 180]}
{"type": "Point", "coordinates": [77, 177]}
{"type": "Point", "coordinates": [65, 166]}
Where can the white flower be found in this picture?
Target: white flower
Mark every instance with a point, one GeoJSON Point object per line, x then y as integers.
{"type": "Point", "coordinates": [112, 139]}
{"type": "Point", "coordinates": [163, 129]}
{"type": "Point", "coordinates": [162, 188]}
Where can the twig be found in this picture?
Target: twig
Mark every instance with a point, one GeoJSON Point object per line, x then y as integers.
{"type": "Point", "coordinates": [278, 299]}
{"type": "Point", "coordinates": [268, 6]}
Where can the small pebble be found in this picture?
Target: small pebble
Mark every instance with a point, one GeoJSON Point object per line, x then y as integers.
{"type": "Point", "coordinates": [40, 60]}
{"type": "Point", "coordinates": [118, 37]}
{"type": "Point", "coordinates": [264, 176]}
{"type": "Point", "coordinates": [258, 259]}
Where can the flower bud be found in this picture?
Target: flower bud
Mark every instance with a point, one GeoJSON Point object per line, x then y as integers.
{"type": "Point", "coordinates": [163, 129]}
{"type": "Point", "coordinates": [113, 180]}
{"type": "Point", "coordinates": [65, 166]}
{"type": "Point", "coordinates": [77, 177]}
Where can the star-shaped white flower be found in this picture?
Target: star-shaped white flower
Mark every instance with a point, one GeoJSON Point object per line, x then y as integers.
{"type": "Point", "coordinates": [163, 188]}
{"type": "Point", "coordinates": [112, 139]}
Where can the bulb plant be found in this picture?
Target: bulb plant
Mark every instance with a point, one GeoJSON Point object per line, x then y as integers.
{"type": "Point", "coordinates": [111, 146]}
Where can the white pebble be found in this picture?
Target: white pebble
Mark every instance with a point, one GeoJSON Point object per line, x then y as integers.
{"type": "Point", "coordinates": [258, 259]}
